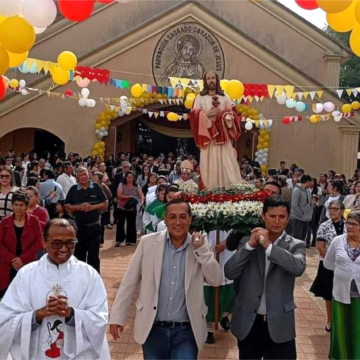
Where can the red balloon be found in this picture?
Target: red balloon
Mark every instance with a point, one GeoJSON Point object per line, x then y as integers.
{"type": "Point", "coordinates": [2, 88]}
{"type": "Point", "coordinates": [307, 4]}
{"type": "Point", "coordinates": [286, 120]}
{"type": "Point", "coordinates": [68, 93]}
{"type": "Point", "coordinates": [76, 10]}
{"type": "Point", "coordinates": [105, 1]}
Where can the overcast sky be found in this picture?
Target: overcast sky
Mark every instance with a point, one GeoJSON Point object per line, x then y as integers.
{"type": "Point", "coordinates": [317, 17]}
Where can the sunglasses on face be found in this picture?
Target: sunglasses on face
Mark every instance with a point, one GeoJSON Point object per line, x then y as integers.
{"type": "Point", "coordinates": [351, 224]}
{"type": "Point", "coordinates": [69, 244]}
{"type": "Point", "coordinates": [4, 176]}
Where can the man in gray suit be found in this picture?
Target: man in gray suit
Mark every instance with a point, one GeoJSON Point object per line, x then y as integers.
{"type": "Point", "coordinates": [266, 265]}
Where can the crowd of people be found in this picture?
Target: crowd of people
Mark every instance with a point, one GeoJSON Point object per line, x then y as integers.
{"type": "Point", "coordinates": [65, 204]}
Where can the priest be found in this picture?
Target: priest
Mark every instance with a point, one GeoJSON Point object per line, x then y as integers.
{"type": "Point", "coordinates": [215, 125]}
{"type": "Point", "coordinates": [55, 308]}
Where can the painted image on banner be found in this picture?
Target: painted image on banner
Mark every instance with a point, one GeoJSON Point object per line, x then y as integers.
{"type": "Point", "coordinates": [187, 50]}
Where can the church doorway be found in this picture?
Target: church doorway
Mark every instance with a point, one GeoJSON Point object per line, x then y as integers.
{"type": "Point", "coordinates": [31, 139]}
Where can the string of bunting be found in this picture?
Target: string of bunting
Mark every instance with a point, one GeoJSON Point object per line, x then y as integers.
{"type": "Point", "coordinates": [257, 92]}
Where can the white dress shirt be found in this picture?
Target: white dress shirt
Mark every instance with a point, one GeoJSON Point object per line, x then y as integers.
{"type": "Point", "coordinates": [66, 182]}
{"type": "Point", "coordinates": [262, 307]}
{"type": "Point", "coordinates": [345, 270]}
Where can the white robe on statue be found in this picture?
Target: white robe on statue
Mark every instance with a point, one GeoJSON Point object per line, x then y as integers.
{"type": "Point", "coordinates": [54, 339]}
{"type": "Point", "coordinates": [218, 163]}
{"type": "Point", "coordinates": [224, 256]}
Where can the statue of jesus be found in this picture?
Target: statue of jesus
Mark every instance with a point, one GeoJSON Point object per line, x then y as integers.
{"type": "Point", "coordinates": [215, 125]}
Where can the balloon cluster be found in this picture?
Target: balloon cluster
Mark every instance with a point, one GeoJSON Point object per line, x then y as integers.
{"type": "Point", "coordinates": [144, 98]}
{"type": "Point", "coordinates": [262, 154]}
{"type": "Point", "coordinates": [342, 16]}
{"type": "Point", "coordinates": [189, 101]}
{"type": "Point", "coordinates": [245, 111]}
{"type": "Point", "coordinates": [84, 101]}
{"type": "Point", "coordinates": [233, 88]}
{"type": "Point", "coordinates": [99, 149]}
{"type": "Point", "coordinates": [290, 103]}
{"type": "Point", "coordinates": [66, 61]}
{"type": "Point", "coordinates": [354, 106]}
{"type": "Point", "coordinates": [80, 10]}
{"type": "Point", "coordinates": [103, 121]}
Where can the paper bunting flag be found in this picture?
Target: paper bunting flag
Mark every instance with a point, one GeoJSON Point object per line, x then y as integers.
{"type": "Point", "coordinates": [174, 81]}
{"type": "Point", "coordinates": [271, 90]}
{"type": "Point", "coordinates": [280, 89]}
{"type": "Point", "coordinates": [306, 95]}
{"type": "Point", "coordinates": [156, 115]}
{"type": "Point", "coordinates": [340, 92]}
{"type": "Point", "coordinates": [312, 95]}
{"type": "Point", "coordinates": [319, 94]}
{"type": "Point", "coordinates": [349, 92]}
{"type": "Point", "coordinates": [289, 90]}
{"type": "Point", "coordinates": [300, 95]}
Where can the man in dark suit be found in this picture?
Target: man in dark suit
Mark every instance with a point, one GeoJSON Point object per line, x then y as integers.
{"type": "Point", "coordinates": [150, 163]}
{"type": "Point", "coordinates": [265, 267]}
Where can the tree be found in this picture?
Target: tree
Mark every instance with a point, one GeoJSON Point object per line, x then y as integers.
{"type": "Point", "coordinates": [350, 71]}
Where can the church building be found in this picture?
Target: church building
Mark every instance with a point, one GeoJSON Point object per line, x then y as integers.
{"type": "Point", "coordinates": [147, 42]}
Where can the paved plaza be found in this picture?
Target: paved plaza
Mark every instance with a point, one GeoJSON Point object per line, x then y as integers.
{"type": "Point", "coordinates": [312, 340]}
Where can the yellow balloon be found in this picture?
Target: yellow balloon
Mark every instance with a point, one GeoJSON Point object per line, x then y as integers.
{"type": "Point", "coordinates": [14, 83]}
{"type": "Point", "coordinates": [344, 21]}
{"type": "Point", "coordinates": [17, 35]}
{"type": "Point", "coordinates": [334, 6]}
{"type": "Point", "coordinates": [95, 153]}
{"type": "Point", "coordinates": [235, 89]}
{"type": "Point", "coordinates": [2, 18]}
{"type": "Point", "coordinates": [4, 61]}
{"type": "Point", "coordinates": [261, 141]}
{"type": "Point", "coordinates": [346, 108]}
{"type": "Point", "coordinates": [60, 76]}
{"type": "Point", "coordinates": [355, 105]}
{"type": "Point", "coordinates": [189, 103]}
{"type": "Point", "coordinates": [191, 96]}
{"type": "Point", "coordinates": [263, 168]}
{"type": "Point", "coordinates": [98, 126]}
{"type": "Point", "coordinates": [355, 40]}
{"type": "Point", "coordinates": [266, 145]}
{"type": "Point", "coordinates": [223, 83]}
{"type": "Point", "coordinates": [17, 59]}
{"type": "Point", "coordinates": [314, 119]}
{"type": "Point", "coordinates": [136, 90]}
{"type": "Point", "coordinates": [67, 60]}
{"type": "Point", "coordinates": [259, 147]}
{"type": "Point", "coordinates": [96, 147]}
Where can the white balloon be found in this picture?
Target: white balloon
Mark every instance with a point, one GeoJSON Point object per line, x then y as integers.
{"type": "Point", "coordinates": [22, 83]}
{"type": "Point", "coordinates": [101, 133]}
{"type": "Point", "coordinates": [82, 102]}
{"type": "Point", "coordinates": [39, 13]}
{"type": "Point", "coordinates": [85, 92]}
{"type": "Point", "coordinates": [248, 125]}
{"type": "Point", "coordinates": [91, 103]}
{"type": "Point", "coordinates": [102, 129]}
{"type": "Point", "coordinates": [122, 112]}
{"type": "Point", "coordinates": [318, 108]}
{"type": "Point", "coordinates": [39, 30]}
{"type": "Point", "coordinates": [290, 103]}
{"type": "Point", "coordinates": [10, 7]}
{"type": "Point", "coordinates": [24, 92]}
{"type": "Point", "coordinates": [338, 118]}
{"type": "Point", "coordinates": [266, 151]}
{"type": "Point", "coordinates": [97, 131]}
{"type": "Point", "coordinates": [106, 133]}
{"type": "Point", "coordinates": [281, 100]}
{"type": "Point", "coordinates": [329, 107]}
{"type": "Point", "coordinates": [336, 113]}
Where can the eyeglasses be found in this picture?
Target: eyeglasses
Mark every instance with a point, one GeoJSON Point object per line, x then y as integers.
{"type": "Point", "coordinates": [351, 224]}
{"type": "Point", "coordinates": [4, 176]}
{"type": "Point", "coordinates": [58, 244]}
{"type": "Point", "coordinates": [334, 209]}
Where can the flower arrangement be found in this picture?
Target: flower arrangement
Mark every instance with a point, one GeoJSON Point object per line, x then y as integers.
{"type": "Point", "coordinates": [236, 207]}
{"type": "Point", "coordinates": [240, 217]}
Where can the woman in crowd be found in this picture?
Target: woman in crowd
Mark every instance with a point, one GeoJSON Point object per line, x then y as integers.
{"type": "Point", "coordinates": [285, 191]}
{"type": "Point", "coordinates": [142, 179]}
{"type": "Point", "coordinates": [259, 183]}
{"type": "Point", "coordinates": [150, 183]}
{"type": "Point", "coordinates": [330, 229]}
{"type": "Point", "coordinates": [343, 257]}
{"type": "Point", "coordinates": [25, 160]}
{"type": "Point", "coordinates": [335, 188]}
{"type": "Point", "coordinates": [150, 219]}
{"type": "Point", "coordinates": [110, 161]}
{"type": "Point", "coordinates": [128, 194]}
{"type": "Point", "coordinates": [46, 155]}
{"type": "Point", "coordinates": [316, 192]}
{"type": "Point", "coordinates": [61, 211]}
{"type": "Point", "coordinates": [7, 190]}
{"type": "Point", "coordinates": [34, 209]}
{"type": "Point", "coordinates": [352, 202]}
{"type": "Point", "coordinates": [20, 240]}
{"type": "Point", "coordinates": [170, 194]}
